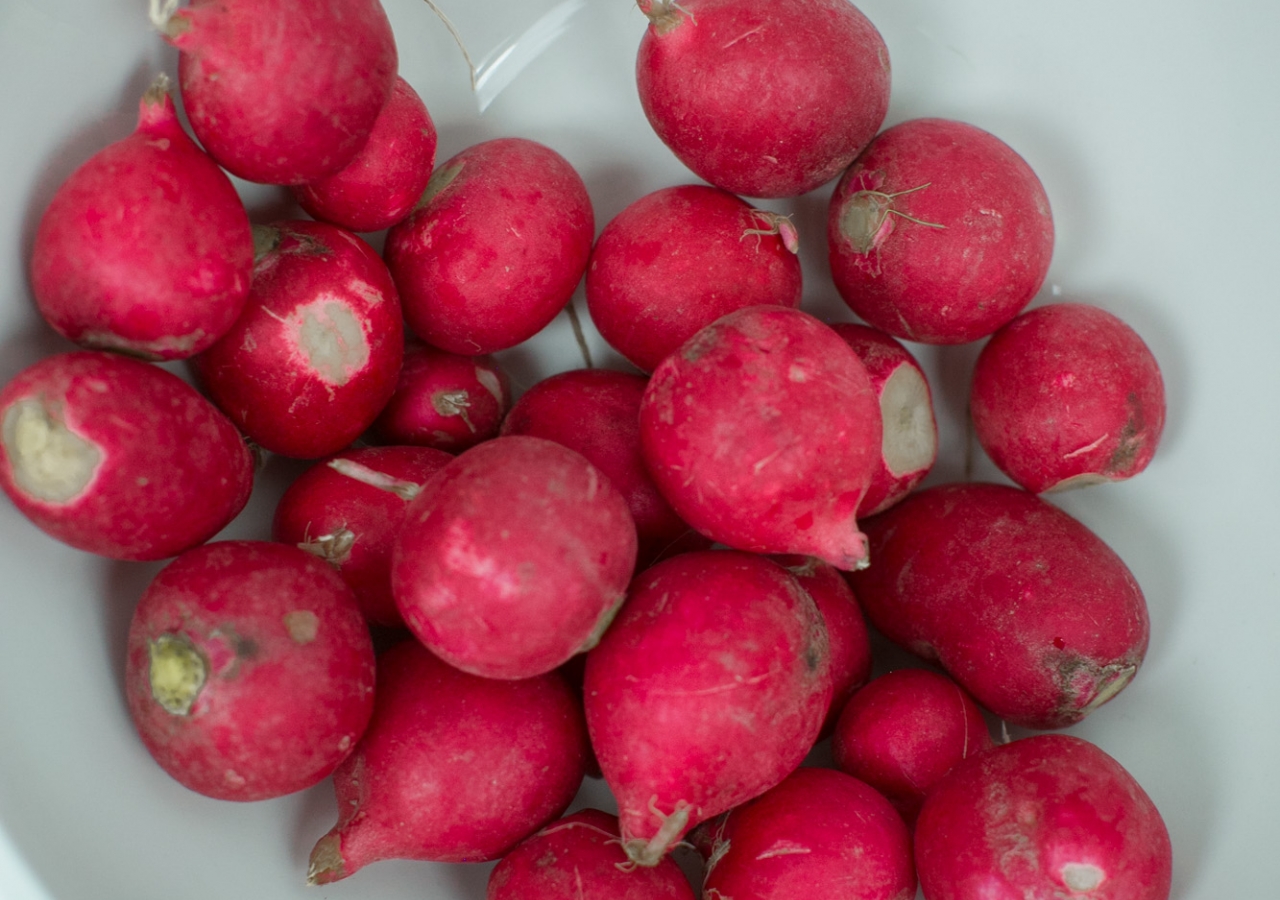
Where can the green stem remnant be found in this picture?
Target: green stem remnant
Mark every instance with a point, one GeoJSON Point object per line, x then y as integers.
{"type": "Point", "coordinates": [178, 672]}
{"type": "Point", "coordinates": [865, 213]}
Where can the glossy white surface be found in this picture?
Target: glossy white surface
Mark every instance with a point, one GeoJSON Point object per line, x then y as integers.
{"type": "Point", "coordinates": [1154, 128]}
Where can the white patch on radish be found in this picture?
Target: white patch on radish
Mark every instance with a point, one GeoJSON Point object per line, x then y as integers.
{"type": "Point", "coordinates": [910, 439]}
{"type": "Point", "coordinates": [1082, 877]}
{"type": "Point", "coordinates": [490, 383]}
{"type": "Point", "coordinates": [332, 339]}
{"type": "Point", "coordinates": [177, 672]}
{"type": "Point", "coordinates": [48, 460]}
{"type": "Point", "coordinates": [302, 624]}
{"type": "Point", "coordinates": [1084, 479]}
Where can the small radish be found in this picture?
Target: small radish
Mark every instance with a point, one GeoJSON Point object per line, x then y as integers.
{"type": "Point", "coordinates": [939, 232]}
{"type": "Point", "coordinates": [1067, 395]}
{"type": "Point", "coordinates": [763, 99]}
{"type": "Point", "coordinates": [452, 768]}
{"type": "Point", "coordinates": [146, 248]}
{"type": "Point", "coordinates": [707, 690]}
{"type": "Point", "coordinates": [763, 433]}
{"type": "Point", "coordinates": [250, 670]}
{"type": "Point", "coordinates": [119, 457]}
{"type": "Point", "coordinates": [1046, 816]}
{"type": "Point", "coordinates": [681, 257]}
{"type": "Point", "coordinates": [495, 248]}
{"type": "Point", "coordinates": [315, 356]}
{"type": "Point", "coordinates": [348, 509]}
{"type": "Point", "coordinates": [910, 444]}
{"type": "Point", "coordinates": [514, 557]}
{"type": "Point", "coordinates": [284, 94]}
{"type": "Point", "coordinates": [580, 856]}
{"type": "Point", "coordinates": [387, 177]}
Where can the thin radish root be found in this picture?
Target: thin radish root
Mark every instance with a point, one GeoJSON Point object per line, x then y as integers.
{"type": "Point", "coordinates": [578, 334]}
{"type": "Point", "coordinates": [405, 490]}
{"type": "Point", "coordinates": [649, 853]}
{"type": "Point", "coordinates": [776, 223]}
{"type": "Point", "coordinates": [867, 212]}
{"type": "Point", "coordinates": [453, 31]}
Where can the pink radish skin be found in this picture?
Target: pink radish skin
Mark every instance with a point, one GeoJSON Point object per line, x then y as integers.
{"type": "Point", "coordinates": [763, 433]}
{"type": "Point", "coordinates": [597, 413]}
{"type": "Point", "coordinates": [1046, 816]}
{"type": "Point", "coordinates": [514, 557]}
{"type": "Point", "coordinates": [347, 511]}
{"type": "Point", "coordinates": [820, 833]}
{"type": "Point", "coordinates": [580, 856]}
{"type": "Point", "coordinates": [453, 768]}
{"type": "Point", "coordinates": [910, 444]}
{"type": "Point", "coordinates": [1067, 395]}
{"type": "Point", "coordinates": [287, 96]}
{"type": "Point", "coordinates": [707, 690]}
{"type": "Point", "coordinates": [146, 248]}
{"type": "Point", "coordinates": [1026, 608]}
{"type": "Point", "coordinates": [250, 670]}
{"type": "Point", "coordinates": [495, 248]}
{"type": "Point", "coordinates": [387, 177]}
{"type": "Point", "coordinates": [681, 257]}
{"type": "Point", "coordinates": [904, 731]}
{"type": "Point", "coordinates": [316, 354]}
{"type": "Point", "coordinates": [939, 232]}
{"type": "Point", "coordinates": [118, 457]}
{"type": "Point", "coordinates": [763, 99]}
{"type": "Point", "coordinates": [444, 400]}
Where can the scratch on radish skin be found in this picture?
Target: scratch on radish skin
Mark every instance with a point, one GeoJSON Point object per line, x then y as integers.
{"type": "Point", "coordinates": [743, 36]}
{"type": "Point", "coordinates": [784, 848]}
{"type": "Point", "coordinates": [1087, 447]}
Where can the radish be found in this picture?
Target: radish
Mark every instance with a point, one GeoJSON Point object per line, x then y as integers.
{"type": "Point", "coordinates": [495, 248]}
{"type": "Point", "coordinates": [452, 768]}
{"type": "Point", "coordinates": [939, 232]}
{"type": "Point", "coordinates": [387, 177]}
{"type": "Point", "coordinates": [514, 557]}
{"type": "Point", "coordinates": [286, 94]}
{"type": "Point", "coordinates": [315, 356]}
{"type": "Point", "coordinates": [1025, 607]}
{"type": "Point", "coordinates": [250, 670]}
{"type": "Point", "coordinates": [707, 690]}
{"type": "Point", "coordinates": [763, 99]}
{"type": "Point", "coordinates": [119, 457]}
{"type": "Point", "coordinates": [1045, 816]}
{"type": "Point", "coordinates": [146, 248]}
{"type": "Point", "coordinates": [904, 731]}
{"type": "Point", "coordinates": [909, 447]}
{"type": "Point", "coordinates": [820, 833]}
{"type": "Point", "coordinates": [1067, 395]}
{"type": "Point", "coordinates": [580, 856]}
{"type": "Point", "coordinates": [763, 433]}
{"type": "Point", "coordinates": [348, 509]}
{"type": "Point", "coordinates": [679, 258]}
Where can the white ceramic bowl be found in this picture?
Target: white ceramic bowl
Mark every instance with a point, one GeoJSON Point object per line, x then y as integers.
{"type": "Point", "coordinates": [1154, 129]}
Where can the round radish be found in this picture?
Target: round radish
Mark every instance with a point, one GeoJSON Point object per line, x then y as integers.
{"type": "Point", "coordinates": [119, 457]}
{"type": "Point", "coordinates": [763, 433]}
{"type": "Point", "coordinates": [146, 248]}
{"type": "Point", "coordinates": [250, 670]}
{"type": "Point", "coordinates": [939, 232]}
{"type": "Point", "coordinates": [763, 99]}
{"type": "Point", "coordinates": [679, 258]}
{"type": "Point", "coordinates": [1067, 395]}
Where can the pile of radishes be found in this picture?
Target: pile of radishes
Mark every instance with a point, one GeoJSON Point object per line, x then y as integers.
{"type": "Point", "coordinates": [655, 576]}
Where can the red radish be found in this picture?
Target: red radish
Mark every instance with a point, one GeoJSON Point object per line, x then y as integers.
{"type": "Point", "coordinates": [250, 670]}
{"type": "Point", "coordinates": [1020, 603]}
{"type": "Point", "coordinates": [820, 833]}
{"type": "Point", "coordinates": [763, 99]}
{"type": "Point", "coordinates": [597, 413]}
{"type": "Point", "coordinates": [1046, 816]}
{"type": "Point", "coordinates": [1067, 395]}
{"type": "Point", "coordinates": [904, 731]}
{"type": "Point", "coordinates": [681, 257]}
{"type": "Point", "coordinates": [495, 248]}
{"type": "Point", "coordinates": [146, 248]}
{"type": "Point", "coordinates": [348, 509]}
{"type": "Point", "coordinates": [387, 177]}
{"type": "Point", "coordinates": [514, 557]}
{"type": "Point", "coordinates": [580, 856]}
{"type": "Point", "coordinates": [453, 768]}
{"type": "Point", "coordinates": [284, 95]}
{"type": "Point", "coordinates": [940, 232]}
{"type": "Point", "coordinates": [910, 444]}
{"type": "Point", "coordinates": [119, 457]}
{"type": "Point", "coordinates": [763, 433]}
{"type": "Point", "coordinates": [316, 354]}
{"type": "Point", "coordinates": [444, 400]}
{"type": "Point", "coordinates": [707, 690]}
